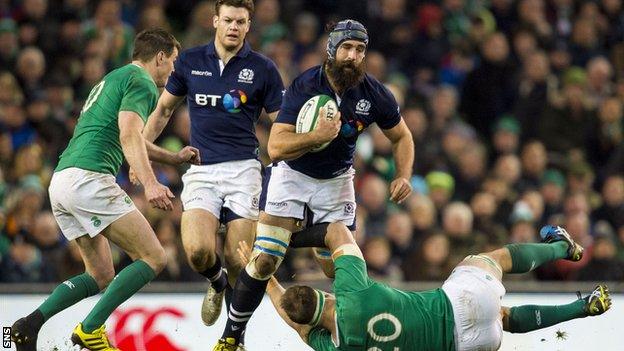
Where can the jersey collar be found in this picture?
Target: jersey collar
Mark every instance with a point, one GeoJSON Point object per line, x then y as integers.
{"type": "Point", "coordinates": [243, 52]}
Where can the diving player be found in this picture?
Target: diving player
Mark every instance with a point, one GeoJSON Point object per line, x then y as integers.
{"type": "Point", "coordinates": [464, 315]}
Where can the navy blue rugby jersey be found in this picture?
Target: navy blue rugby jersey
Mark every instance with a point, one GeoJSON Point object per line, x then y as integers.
{"type": "Point", "coordinates": [360, 106]}
{"type": "Point", "coordinates": [225, 102]}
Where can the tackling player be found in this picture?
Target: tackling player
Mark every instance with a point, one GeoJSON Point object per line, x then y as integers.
{"type": "Point", "coordinates": [320, 183]}
{"type": "Point", "coordinates": [226, 86]}
{"type": "Point", "coordinates": [464, 315]}
{"type": "Point", "coordinates": [87, 202]}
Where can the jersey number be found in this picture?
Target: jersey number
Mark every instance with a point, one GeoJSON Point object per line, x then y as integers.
{"type": "Point", "coordinates": [384, 338]}
{"type": "Point", "coordinates": [93, 95]}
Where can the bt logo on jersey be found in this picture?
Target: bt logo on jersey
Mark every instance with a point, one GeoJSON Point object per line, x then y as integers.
{"type": "Point", "coordinates": [202, 99]}
{"type": "Point", "coordinates": [232, 100]}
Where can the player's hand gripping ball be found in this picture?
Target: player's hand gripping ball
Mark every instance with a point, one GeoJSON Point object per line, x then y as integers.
{"type": "Point", "coordinates": [308, 117]}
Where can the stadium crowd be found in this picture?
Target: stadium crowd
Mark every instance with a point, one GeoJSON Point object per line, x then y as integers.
{"type": "Point", "coordinates": [516, 109]}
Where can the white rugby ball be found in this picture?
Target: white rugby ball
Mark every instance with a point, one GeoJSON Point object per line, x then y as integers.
{"type": "Point", "coordinates": [307, 119]}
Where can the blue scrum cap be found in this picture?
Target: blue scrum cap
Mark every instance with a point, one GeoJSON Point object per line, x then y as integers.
{"type": "Point", "coordinates": [345, 30]}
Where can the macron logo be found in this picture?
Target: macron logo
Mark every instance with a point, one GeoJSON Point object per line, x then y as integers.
{"type": "Point", "coordinates": [201, 73]}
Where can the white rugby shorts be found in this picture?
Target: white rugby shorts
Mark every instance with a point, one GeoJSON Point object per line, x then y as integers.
{"type": "Point", "coordinates": [86, 202]}
{"type": "Point", "coordinates": [289, 192]}
{"type": "Point", "coordinates": [475, 295]}
{"type": "Point", "coordinates": [234, 185]}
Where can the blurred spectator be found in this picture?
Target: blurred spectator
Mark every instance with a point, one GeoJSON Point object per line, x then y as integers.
{"type": "Point", "coordinates": [489, 90]}
{"type": "Point", "coordinates": [201, 28]}
{"type": "Point", "coordinates": [533, 88]}
{"type": "Point", "coordinates": [400, 235]}
{"type": "Point", "coordinates": [267, 23]}
{"type": "Point", "coordinates": [604, 265]}
{"type": "Point", "coordinates": [552, 190]}
{"type": "Point", "coordinates": [378, 256]}
{"type": "Point", "coordinates": [571, 108]}
{"type": "Point", "coordinates": [441, 188]}
{"type": "Point", "coordinates": [431, 261]}
{"type": "Point", "coordinates": [457, 223]}
{"type": "Point", "coordinates": [534, 161]}
{"type": "Point", "coordinates": [506, 138]}
{"type": "Point", "coordinates": [373, 194]}
{"type": "Point", "coordinates": [508, 168]}
{"type": "Point", "coordinates": [113, 35]}
{"type": "Point", "coordinates": [30, 68]}
{"type": "Point", "coordinates": [607, 133]}
{"type": "Point", "coordinates": [8, 43]}
{"type": "Point", "coordinates": [423, 214]}
{"type": "Point", "coordinates": [599, 80]}
{"type": "Point", "coordinates": [483, 206]}
{"type": "Point", "coordinates": [469, 172]}
{"type": "Point", "coordinates": [612, 210]}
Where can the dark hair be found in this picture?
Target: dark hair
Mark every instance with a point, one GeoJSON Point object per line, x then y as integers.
{"type": "Point", "coordinates": [299, 303]}
{"type": "Point", "coordinates": [150, 42]}
{"type": "Point", "coordinates": [247, 4]}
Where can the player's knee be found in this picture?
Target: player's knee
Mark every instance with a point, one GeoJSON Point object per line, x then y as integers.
{"type": "Point", "coordinates": [103, 277]}
{"type": "Point", "coordinates": [200, 258]}
{"type": "Point", "coordinates": [338, 234]}
{"type": "Point", "coordinates": [265, 265]}
{"type": "Point", "coordinates": [157, 259]}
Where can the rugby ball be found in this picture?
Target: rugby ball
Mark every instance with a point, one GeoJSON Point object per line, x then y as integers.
{"type": "Point", "coordinates": [307, 119]}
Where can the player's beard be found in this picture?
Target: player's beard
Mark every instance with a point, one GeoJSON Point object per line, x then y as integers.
{"type": "Point", "coordinates": [345, 74]}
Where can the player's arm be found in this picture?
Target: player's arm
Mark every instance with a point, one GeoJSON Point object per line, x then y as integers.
{"type": "Point", "coordinates": [159, 118]}
{"type": "Point", "coordinates": [188, 154]}
{"type": "Point", "coordinates": [275, 291]}
{"type": "Point", "coordinates": [133, 146]}
{"type": "Point", "coordinates": [403, 152]}
{"type": "Point", "coordinates": [286, 144]}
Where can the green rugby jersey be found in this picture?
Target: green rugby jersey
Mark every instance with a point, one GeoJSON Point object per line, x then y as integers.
{"type": "Point", "coordinates": [95, 145]}
{"type": "Point", "coordinates": [375, 317]}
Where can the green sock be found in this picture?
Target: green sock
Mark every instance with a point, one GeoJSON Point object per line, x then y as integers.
{"type": "Point", "coordinates": [526, 318]}
{"type": "Point", "coordinates": [527, 257]}
{"type": "Point", "coordinates": [68, 293]}
{"type": "Point", "coordinates": [125, 284]}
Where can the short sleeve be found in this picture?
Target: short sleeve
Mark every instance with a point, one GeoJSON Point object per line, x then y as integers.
{"type": "Point", "coordinates": [351, 274]}
{"type": "Point", "coordinates": [291, 104]}
{"type": "Point", "coordinates": [388, 114]}
{"type": "Point", "coordinates": [176, 84]}
{"type": "Point", "coordinates": [320, 339]}
{"type": "Point", "coordinates": [274, 89]}
{"type": "Point", "coordinates": [140, 97]}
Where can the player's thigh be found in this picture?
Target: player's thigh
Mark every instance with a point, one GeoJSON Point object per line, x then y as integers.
{"type": "Point", "coordinates": [97, 258]}
{"type": "Point", "coordinates": [242, 187]}
{"type": "Point", "coordinates": [288, 223]}
{"type": "Point", "coordinates": [334, 201]}
{"type": "Point", "coordinates": [286, 192]}
{"type": "Point", "coordinates": [484, 262]}
{"type": "Point", "coordinates": [199, 228]}
{"type": "Point", "coordinates": [475, 295]}
{"type": "Point", "coordinates": [201, 189]}
{"type": "Point", "coordinates": [133, 234]}
{"type": "Point", "coordinates": [87, 202]}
